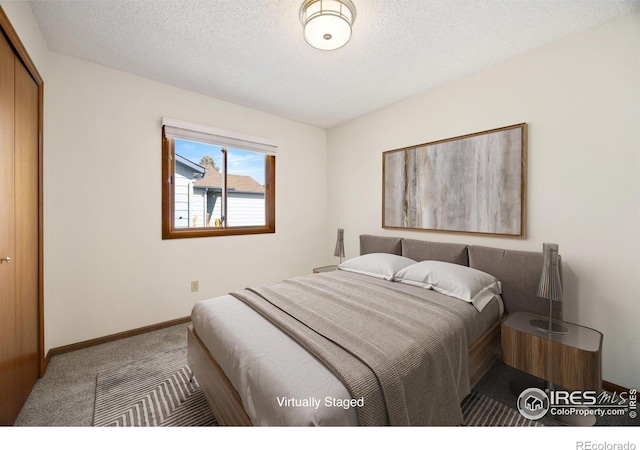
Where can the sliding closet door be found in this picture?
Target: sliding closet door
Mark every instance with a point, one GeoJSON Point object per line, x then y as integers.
{"type": "Point", "coordinates": [26, 230]}
{"type": "Point", "coordinates": [19, 232]}
{"type": "Point", "coordinates": [7, 234]}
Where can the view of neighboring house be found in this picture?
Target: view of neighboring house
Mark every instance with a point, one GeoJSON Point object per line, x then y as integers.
{"type": "Point", "coordinates": [198, 191]}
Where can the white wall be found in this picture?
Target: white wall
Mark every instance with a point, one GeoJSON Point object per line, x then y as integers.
{"type": "Point", "coordinates": [581, 100]}
{"type": "Point", "coordinates": [107, 269]}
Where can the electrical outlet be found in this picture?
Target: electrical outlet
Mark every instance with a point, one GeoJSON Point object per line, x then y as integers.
{"type": "Point", "coordinates": [195, 286]}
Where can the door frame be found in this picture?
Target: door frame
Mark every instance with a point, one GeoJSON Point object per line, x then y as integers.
{"type": "Point", "coordinates": [14, 40]}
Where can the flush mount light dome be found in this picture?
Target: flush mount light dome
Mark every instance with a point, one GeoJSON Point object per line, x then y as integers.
{"type": "Point", "coordinates": [327, 23]}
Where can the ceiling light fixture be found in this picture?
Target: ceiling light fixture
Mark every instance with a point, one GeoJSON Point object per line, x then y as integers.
{"type": "Point", "coordinates": [327, 23]}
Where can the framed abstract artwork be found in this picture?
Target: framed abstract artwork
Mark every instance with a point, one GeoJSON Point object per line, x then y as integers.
{"type": "Point", "coordinates": [474, 183]}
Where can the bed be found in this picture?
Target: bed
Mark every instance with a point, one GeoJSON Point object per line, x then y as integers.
{"type": "Point", "coordinates": [256, 370]}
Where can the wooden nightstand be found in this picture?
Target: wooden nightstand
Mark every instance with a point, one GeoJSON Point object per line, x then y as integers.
{"type": "Point", "coordinates": [325, 269]}
{"type": "Point", "coordinates": [572, 360]}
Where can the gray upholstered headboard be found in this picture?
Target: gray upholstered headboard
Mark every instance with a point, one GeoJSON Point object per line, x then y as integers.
{"type": "Point", "coordinates": [439, 251]}
{"type": "Point", "coordinates": [380, 244]}
{"type": "Point", "coordinates": [517, 270]}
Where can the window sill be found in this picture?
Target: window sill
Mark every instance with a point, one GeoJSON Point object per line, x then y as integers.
{"type": "Point", "coordinates": [209, 232]}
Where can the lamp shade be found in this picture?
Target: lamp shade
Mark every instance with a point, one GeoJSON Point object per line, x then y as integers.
{"type": "Point", "coordinates": [340, 244]}
{"type": "Point", "coordinates": [327, 23]}
{"type": "Point", "coordinates": [550, 286]}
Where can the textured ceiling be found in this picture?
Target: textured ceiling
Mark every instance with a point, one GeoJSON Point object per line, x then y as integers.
{"type": "Point", "coordinates": [252, 52]}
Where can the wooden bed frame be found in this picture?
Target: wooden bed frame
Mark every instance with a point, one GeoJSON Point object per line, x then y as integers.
{"type": "Point", "coordinates": [518, 271]}
{"type": "Point", "coordinates": [222, 397]}
{"type": "Point", "coordinates": [225, 401]}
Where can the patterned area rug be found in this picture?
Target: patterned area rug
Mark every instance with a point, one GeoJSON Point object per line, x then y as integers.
{"type": "Point", "coordinates": [478, 410]}
{"type": "Point", "coordinates": [151, 392]}
{"type": "Point", "coordinates": [156, 391]}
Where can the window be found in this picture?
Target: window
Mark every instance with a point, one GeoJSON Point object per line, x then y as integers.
{"type": "Point", "coordinates": [215, 182]}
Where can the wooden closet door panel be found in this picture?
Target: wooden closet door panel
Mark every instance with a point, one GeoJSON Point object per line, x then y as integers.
{"type": "Point", "coordinates": [26, 230]}
{"type": "Point", "coordinates": [7, 236]}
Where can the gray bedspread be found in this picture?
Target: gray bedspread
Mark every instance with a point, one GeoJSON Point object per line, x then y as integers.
{"type": "Point", "coordinates": [403, 351]}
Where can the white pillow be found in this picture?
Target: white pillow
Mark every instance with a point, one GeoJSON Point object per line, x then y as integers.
{"type": "Point", "coordinates": [379, 265]}
{"type": "Point", "coordinates": [454, 280]}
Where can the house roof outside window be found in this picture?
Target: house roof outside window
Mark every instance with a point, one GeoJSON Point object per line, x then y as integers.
{"type": "Point", "coordinates": [239, 183]}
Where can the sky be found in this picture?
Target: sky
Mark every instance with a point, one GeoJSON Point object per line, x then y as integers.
{"type": "Point", "coordinates": [240, 162]}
